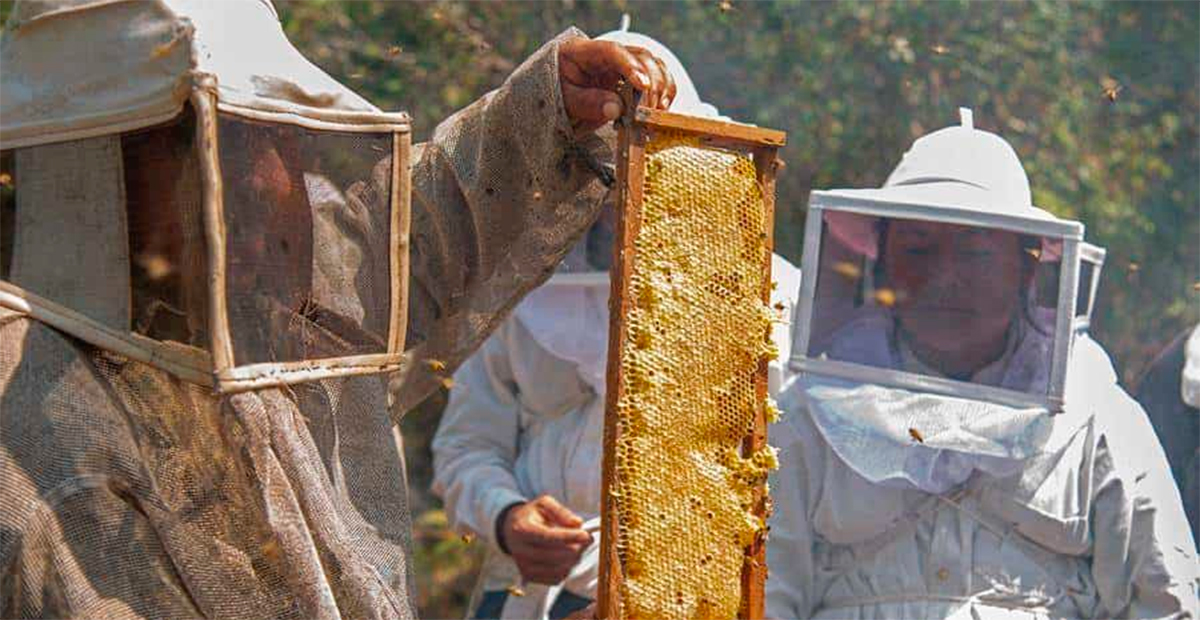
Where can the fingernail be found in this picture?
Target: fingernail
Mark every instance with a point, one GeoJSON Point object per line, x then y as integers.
{"type": "Point", "coordinates": [611, 110]}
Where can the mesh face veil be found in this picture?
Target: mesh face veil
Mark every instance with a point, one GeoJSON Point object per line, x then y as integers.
{"type": "Point", "coordinates": [939, 283]}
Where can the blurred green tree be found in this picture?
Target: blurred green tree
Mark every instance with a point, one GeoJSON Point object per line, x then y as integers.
{"type": "Point", "coordinates": [1100, 99]}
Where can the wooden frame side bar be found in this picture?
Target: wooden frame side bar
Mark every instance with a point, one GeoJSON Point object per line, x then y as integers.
{"type": "Point", "coordinates": [631, 168]}
{"type": "Point", "coordinates": [754, 571]}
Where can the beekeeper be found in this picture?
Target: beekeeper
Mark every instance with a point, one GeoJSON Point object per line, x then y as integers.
{"type": "Point", "coordinates": [206, 273]}
{"type": "Point", "coordinates": [954, 445]}
{"type": "Point", "coordinates": [517, 454]}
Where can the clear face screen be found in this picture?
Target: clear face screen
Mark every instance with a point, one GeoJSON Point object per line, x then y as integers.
{"type": "Point", "coordinates": [945, 300]}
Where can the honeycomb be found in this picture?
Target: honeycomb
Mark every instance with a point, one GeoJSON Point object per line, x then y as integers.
{"type": "Point", "coordinates": [696, 331]}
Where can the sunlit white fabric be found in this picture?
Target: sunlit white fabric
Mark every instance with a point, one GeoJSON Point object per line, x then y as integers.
{"type": "Point", "coordinates": [526, 417]}
{"type": "Point", "coordinates": [1089, 525]}
{"type": "Point", "coordinates": [1190, 387]}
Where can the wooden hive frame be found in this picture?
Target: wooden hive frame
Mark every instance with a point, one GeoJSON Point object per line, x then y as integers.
{"type": "Point", "coordinates": [635, 130]}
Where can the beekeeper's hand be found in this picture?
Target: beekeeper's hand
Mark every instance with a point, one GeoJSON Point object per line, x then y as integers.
{"type": "Point", "coordinates": [589, 71]}
{"type": "Point", "coordinates": [544, 538]}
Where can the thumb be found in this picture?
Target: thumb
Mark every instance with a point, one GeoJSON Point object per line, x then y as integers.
{"type": "Point", "coordinates": [558, 514]}
{"type": "Point", "coordinates": [593, 106]}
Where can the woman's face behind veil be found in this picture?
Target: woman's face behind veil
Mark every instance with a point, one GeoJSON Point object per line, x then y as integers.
{"type": "Point", "coordinates": [269, 227]}
{"type": "Point", "coordinates": [956, 290]}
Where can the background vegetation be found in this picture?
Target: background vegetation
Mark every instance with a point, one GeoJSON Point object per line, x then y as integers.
{"type": "Point", "coordinates": [1101, 101]}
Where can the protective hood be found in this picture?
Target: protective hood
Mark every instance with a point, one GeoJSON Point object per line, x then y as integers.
{"type": "Point", "coordinates": [131, 64]}
{"type": "Point", "coordinates": [960, 168]}
{"type": "Point", "coordinates": [245, 215]}
{"type": "Point", "coordinates": [568, 316]}
{"type": "Point", "coordinates": [947, 279]}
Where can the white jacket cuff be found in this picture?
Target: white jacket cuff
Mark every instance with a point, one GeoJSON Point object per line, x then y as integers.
{"type": "Point", "coordinates": [495, 501]}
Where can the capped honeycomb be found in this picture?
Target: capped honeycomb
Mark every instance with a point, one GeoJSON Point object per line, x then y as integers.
{"type": "Point", "coordinates": [695, 332]}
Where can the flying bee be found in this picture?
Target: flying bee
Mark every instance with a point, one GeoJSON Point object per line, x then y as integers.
{"type": "Point", "coordinates": [847, 270]}
{"type": "Point", "coordinates": [1111, 89]}
{"type": "Point", "coordinates": [886, 297]}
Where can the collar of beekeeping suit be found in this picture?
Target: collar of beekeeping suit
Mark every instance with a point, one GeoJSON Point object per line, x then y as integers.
{"type": "Point", "coordinates": [234, 215]}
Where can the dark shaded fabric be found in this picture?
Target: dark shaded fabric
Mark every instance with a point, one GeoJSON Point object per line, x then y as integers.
{"type": "Point", "coordinates": [491, 604]}
{"type": "Point", "coordinates": [1176, 424]}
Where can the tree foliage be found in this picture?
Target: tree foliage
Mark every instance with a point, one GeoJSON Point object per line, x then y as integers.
{"type": "Point", "coordinates": [1100, 100]}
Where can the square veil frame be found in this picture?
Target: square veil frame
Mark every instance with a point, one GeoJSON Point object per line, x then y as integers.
{"type": "Point", "coordinates": [231, 376]}
{"type": "Point", "coordinates": [635, 130]}
{"type": "Point", "coordinates": [1066, 322]}
{"type": "Point", "coordinates": [213, 363]}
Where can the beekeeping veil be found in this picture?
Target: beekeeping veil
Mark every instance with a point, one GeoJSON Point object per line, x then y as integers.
{"type": "Point", "coordinates": [934, 338]}
{"type": "Point", "coordinates": [239, 214]}
{"type": "Point", "coordinates": [197, 211]}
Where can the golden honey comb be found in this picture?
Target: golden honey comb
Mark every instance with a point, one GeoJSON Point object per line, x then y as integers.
{"type": "Point", "coordinates": [696, 331]}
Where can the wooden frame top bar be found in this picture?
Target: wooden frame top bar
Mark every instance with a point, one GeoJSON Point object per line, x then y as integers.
{"type": "Point", "coordinates": [725, 131]}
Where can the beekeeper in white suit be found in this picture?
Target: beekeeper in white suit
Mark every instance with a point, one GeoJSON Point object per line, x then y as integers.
{"type": "Point", "coordinates": [517, 456]}
{"type": "Point", "coordinates": [954, 445]}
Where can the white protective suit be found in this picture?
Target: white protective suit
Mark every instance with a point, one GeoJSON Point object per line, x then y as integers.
{"type": "Point", "coordinates": [526, 417]}
{"type": "Point", "coordinates": [526, 413]}
{"type": "Point", "coordinates": [1007, 513]}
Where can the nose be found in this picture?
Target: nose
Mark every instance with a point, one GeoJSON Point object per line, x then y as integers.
{"type": "Point", "coordinates": [949, 279]}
